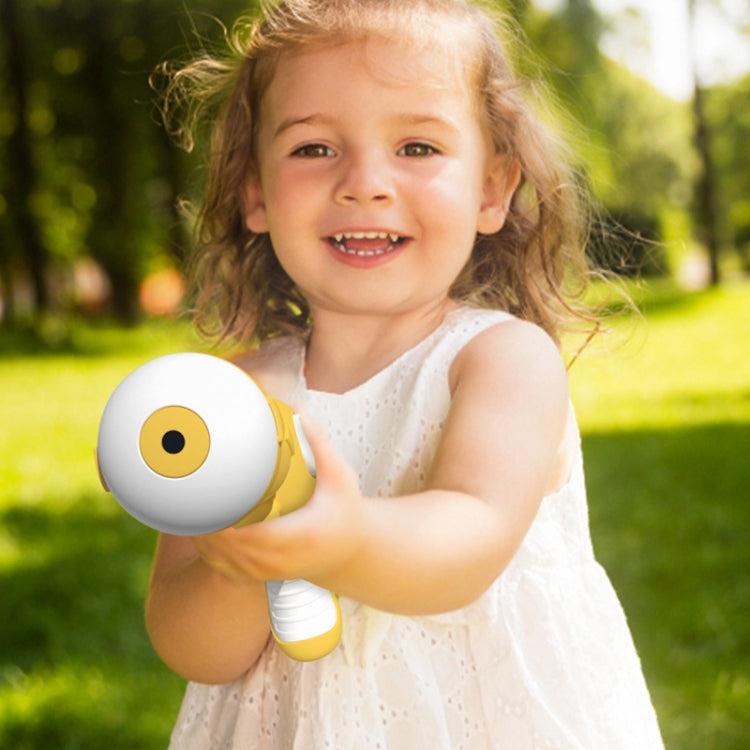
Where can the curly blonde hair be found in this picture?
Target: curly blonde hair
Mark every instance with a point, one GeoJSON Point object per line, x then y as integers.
{"type": "Point", "coordinates": [534, 267]}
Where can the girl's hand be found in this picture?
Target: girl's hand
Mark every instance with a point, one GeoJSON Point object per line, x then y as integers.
{"type": "Point", "coordinates": [312, 542]}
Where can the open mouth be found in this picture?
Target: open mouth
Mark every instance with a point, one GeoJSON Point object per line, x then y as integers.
{"type": "Point", "coordinates": [366, 244]}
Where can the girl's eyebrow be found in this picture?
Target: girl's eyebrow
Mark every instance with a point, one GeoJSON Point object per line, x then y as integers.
{"type": "Point", "coordinates": [290, 122]}
{"type": "Point", "coordinates": [406, 118]}
{"type": "Point", "coordinates": [418, 118]}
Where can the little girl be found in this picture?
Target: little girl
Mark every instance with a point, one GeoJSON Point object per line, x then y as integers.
{"type": "Point", "coordinates": [387, 217]}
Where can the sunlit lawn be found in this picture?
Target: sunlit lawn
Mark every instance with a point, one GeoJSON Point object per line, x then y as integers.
{"type": "Point", "coordinates": [76, 669]}
{"type": "Point", "coordinates": [665, 411]}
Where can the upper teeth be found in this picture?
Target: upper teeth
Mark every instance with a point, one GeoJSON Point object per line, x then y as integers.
{"type": "Point", "coordinates": [366, 236]}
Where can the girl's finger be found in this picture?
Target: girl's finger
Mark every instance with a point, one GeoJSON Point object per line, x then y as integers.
{"type": "Point", "coordinates": [329, 465]}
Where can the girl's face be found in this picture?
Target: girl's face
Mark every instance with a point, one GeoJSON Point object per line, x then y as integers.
{"type": "Point", "coordinates": [374, 176]}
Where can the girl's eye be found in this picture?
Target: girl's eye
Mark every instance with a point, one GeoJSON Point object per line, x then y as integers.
{"type": "Point", "coordinates": [313, 151]}
{"type": "Point", "coordinates": [418, 149]}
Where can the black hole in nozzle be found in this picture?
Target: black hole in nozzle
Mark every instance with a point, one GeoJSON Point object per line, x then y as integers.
{"type": "Point", "coordinates": [173, 442]}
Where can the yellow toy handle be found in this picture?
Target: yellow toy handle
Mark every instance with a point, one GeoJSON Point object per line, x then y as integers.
{"type": "Point", "coordinates": [305, 618]}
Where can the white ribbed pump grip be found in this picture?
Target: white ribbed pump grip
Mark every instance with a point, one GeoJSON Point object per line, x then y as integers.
{"type": "Point", "coordinates": [305, 618]}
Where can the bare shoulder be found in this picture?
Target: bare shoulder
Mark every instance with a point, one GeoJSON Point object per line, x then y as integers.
{"type": "Point", "coordinates": [249, 361]}
{"type": "Point", "coordinates": [273, 366]}
{"type": "Point", "coordinates": [511, 353]}
{"type": "Point", "coordinates": [510, 408]}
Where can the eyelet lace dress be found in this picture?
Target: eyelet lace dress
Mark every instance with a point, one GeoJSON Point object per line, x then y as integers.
{"type": "Point", "coordinates": [543, 659]}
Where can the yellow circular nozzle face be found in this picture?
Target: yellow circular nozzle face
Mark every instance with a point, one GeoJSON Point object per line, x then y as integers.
{"type": "Point", "coordinates": [174, 442]}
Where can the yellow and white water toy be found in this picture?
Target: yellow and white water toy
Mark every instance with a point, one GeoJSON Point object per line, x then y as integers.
{"type": "Point", "coordinates": [189, 444]}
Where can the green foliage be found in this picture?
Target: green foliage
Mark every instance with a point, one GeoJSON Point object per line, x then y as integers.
{"type": "Point", "coordinates": [664, 408]}
{"type": "Point", "coordinates": [101, 177]}
{"type": "Point", "coordinates": [634, 143]}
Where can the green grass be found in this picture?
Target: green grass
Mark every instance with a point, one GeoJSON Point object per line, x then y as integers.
{"type": "Point", "coordinates": [664, 405]}
{"type": "Point", "coordinates": [665, 413]}
{"type": "Point", "coordinates": [76, 669]}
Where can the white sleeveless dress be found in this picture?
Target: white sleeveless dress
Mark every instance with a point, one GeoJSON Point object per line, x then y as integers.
{"type": "Point", "coordinates": [544, 659]}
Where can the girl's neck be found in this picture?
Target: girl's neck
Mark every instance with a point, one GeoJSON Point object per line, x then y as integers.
{"type": "Point", "coordinates": [346, 350]}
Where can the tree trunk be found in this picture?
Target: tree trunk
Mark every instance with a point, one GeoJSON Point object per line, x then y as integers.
{"type": "Point", "coordinates": [7, 308]}
{"type": "Point", "coordinates": [706, 219]}
{"type": "Point", "coordinates": [111, 234]}
{"type": "Point", "coordinates": [21, 164]}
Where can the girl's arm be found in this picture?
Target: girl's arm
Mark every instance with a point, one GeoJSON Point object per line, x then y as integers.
{"type": "Point", "coordinates": [206, 622]}
{"type": "Point", "coordinates": [500, 453]}
{"type": "Point", "coordinates": [205, 625]}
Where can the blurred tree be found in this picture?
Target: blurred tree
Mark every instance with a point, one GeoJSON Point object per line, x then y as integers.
{"type": "Point", "coordinates": [633, 141]}
{"type": "Point", "coordinates": [727, 108]}
{"type": "Point", "coordinates": [87, 169]}
{"type": "Point", "coordinates": [21, 236]}
{"type": "Point", "coordinates": [705, 187]}
{"type": "Point", "coordinates": [720, 138]}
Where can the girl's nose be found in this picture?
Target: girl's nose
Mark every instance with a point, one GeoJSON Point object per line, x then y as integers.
{"type": "Point", "coordinates": [365, 179]}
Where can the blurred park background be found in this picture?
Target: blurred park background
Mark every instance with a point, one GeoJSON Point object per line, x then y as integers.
{"type": "Point", "coordinates": [92, 248]}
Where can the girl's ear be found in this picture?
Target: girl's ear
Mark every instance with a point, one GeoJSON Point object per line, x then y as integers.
{"type": "Point", "coordinates": [500, 182]}
{"type": "Point", "coordinates": [255, 208]}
